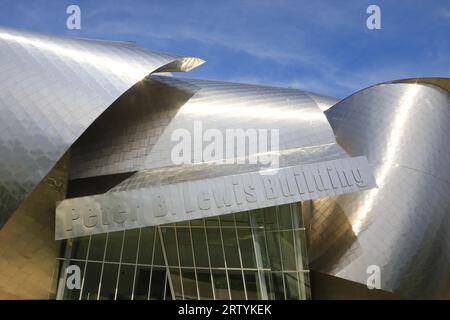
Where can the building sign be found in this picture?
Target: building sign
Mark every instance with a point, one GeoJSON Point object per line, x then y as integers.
{"type": "Point", "coordinates": [128, 209]}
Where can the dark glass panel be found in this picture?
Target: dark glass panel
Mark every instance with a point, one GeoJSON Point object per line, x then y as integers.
{"type": "Point", "coordinates": [109, 281]}
{"type": "Point", "coordinates": [97, 247]}
{"type": "Point", "coordinates": [114, 246]}
{"type": "Point", "coordinates": [175, 277]}
{"type": "Point", "coordinates": [200, 247]}
{"type": "Point", "coordinates": [231, 248]}
{"type": "Point", "coordinates": [205, 286]}
{"type": "Point", "coordinates": [215, 248]}
{"type": "Point", "coordinates": [270, 218]}
{"type": "Point", "coordinates": [130, 246]}
{"type": "Point", "coordinates": [277, 286]}
{"type": "Point", "coordinates": [288, 251]}
{"type": "Point", "coordinates": [91, 281]}
{"type": "Point", "coordinates": [220, 285]}
{"type": "Point", "coordinates": [142, 283]}
{"type": "Point", "coordinates": [273, 250]}
{"type": "Point", "coordinates": [189, 284]}
{"type": "Point", "coordinates": [236, 285]}
{"type": "Point", "coordinates": [146, 245]}
{"type": "Point", "coordinates": [125, 286]}
{"type": "Point", "coordinates": [79, 248]}
{"type": "Point", "coordinates": [247, 249]}
{"type": "Point", "coordinates": [170, 245]}
{"type": "Point", "coordinates": [185, 247]}
{"type": "Point", "coordinates": [158, 284]}
{"type": "Point", "coordinates": [252, 285]}
{"type": "Point", "coordinates": [291, 283]}
{"type": "Point", "coordinates": [284, 217]}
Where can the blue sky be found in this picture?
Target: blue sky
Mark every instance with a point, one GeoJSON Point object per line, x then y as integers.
{"type": "Point", "coordinates": [320, 46]}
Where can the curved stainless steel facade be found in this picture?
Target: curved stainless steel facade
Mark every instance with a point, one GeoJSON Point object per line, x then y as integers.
{"type": "Point", "coordinates": [52, 89]}
{"type": "Point", "coordinates": [401, 227]}
{"type": "Point", "coordinates": [160, 105]}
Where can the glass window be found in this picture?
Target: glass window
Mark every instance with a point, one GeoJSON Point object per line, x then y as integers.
{"type": "Point", "coordinates": [252, 285]}
{"type": "Point", "coordinates": [284, 217]}
{"type": "Point", "coordinates": [189, 284]}
{"type": "Point", "coordinates": [303, 278]}
{"type": "Point", "coordinates": [247, 249]}
{"type": "Point", "coordinates": [79, 248]}
{"type": "Point", "coordinates": [204, 284]}
{"type": "Point", "coordinates": [297, 220]}
{"type": "Point", "coordinates": [97, 247]}
{"type": "Point", "coordinates": [273, 250]}
{"type": "Point", "coordinates": [158, 258]}
{"type": "Point", "coordinates": [236, 285]}
{"type": "Point", "coordinates": [170, 245]}
{"type": "Point", "coordinates": [91, 281]}
{"type": "Point", "coordinates": [287, 248]}
{"type": "Point", "coordinates": [200, 247]}
{"type": "Point", "coordinates": [168, 295]}
{"type": "Point", "coordinates": [125, 286]}
{"type": "Point", "coordinates": [270, 218]}
{"type": "Point", "coordinates": [212, 221]}
{"type": "Point", "coordinates": [243, 242]}
{"type": "Point", "coordinates": [185, 247]}
{"type": "Point", "coordinates": [231, 248]}
{"type": "Point", "coordinates": [130, 245]}
{"type": "Point", "coordinates": [267, 275]}
{"type": "Point", "coordinates": [114, 246]}
{"type": "Point", "coordinates": [175, 277]}
{"type": "Point", "coordinates": [291, 283]}
{"type": "Point", "coordinates": [258, 216]}
{"type": "Point", "coordinates": [300, 242]}
{"type": "Point", "coordinates": [146, 245]}
{"type": "Point", "coordinates": [220, 285]}
{"type": "Point", "coordinates": [215, 248]}
{"type": "Point", "coordinates": [242, 219]}
{"type": "Point", "coordinates": [142, 283]}
{"type": "Point", "coordinates": [196, 223]}
{"type": "Point", "coordinates": [158, 284]}
{"type": "Point", "coordinates": [260, 243]}
{"type": "Point", "coordinates": [227, 220]}
{"type": "Point", "coordinates": [277, 285]}
{"type": "Point", "coordinates": [109, 281]}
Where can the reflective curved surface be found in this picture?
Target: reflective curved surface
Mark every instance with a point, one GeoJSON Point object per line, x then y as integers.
{"type": "Point", "coordinates": [161, 105]}
{"type": "Point", "coordinates": [401, 227]}
{"type": "Point", "coordinates": [51, 90]}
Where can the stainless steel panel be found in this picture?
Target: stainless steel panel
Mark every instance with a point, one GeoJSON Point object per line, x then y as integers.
{"type": "Point", "coordinates": [135, 133]}
{"type": "Point", "coordinates": [51, 90]}
{"type": "Point", "coordinates": [402, 226]}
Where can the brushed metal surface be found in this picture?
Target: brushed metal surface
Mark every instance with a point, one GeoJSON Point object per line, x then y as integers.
{"type": "Point", "coordinates": [51, 90]}
{"type": "Point", "coordinates": [135, 133]}
{"type": "Point", "coordinates": [403, 226]}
